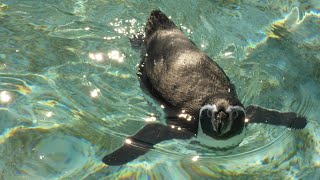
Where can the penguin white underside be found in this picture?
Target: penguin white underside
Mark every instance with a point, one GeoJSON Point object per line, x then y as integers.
{"type": "Point", "coordinates": [209, 142]}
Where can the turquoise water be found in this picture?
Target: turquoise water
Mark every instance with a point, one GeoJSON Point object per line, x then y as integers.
{"type": "Point", "coordinates": [69, 93]}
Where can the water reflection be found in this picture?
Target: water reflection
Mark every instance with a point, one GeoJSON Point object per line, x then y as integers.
{"type": "Point", "coordinates": [5, 97]}
{"type": "Point", "coordinates": [195, 158]}
{"type": "Point", "coordinates": [116, 55]}
{"type": "Point", "coordinates": [184, 115]}
{"type": "Point", "coordinates": [96, 56]}
{"type": "Point", "coordinates": [128, 141]}
{"type": "Point", "coordinates": [69, 153]}
{"type": "Point", "coordinates": [125, 27]}
{"type": "Point", "coordinates": [95, 93]}
{"type": "Point", "coordinates": [112, 55]}
{"type": "Point", "coordinates": [109, 38]}
{"type": "Point", "coordinates": [49, 114]}
{"type": "Point", "coordinates": [150, 119]}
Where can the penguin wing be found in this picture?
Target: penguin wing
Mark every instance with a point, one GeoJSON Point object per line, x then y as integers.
{"type": "Point", "coordinates": [143, 141]}
{"type": "Point", "coordinates": [256, 114]}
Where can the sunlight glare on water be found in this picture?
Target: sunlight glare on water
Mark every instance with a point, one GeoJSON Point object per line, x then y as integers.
{"type": "Point", "coordinates": [69, 93]}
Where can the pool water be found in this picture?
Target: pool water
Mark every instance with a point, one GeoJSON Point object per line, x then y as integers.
{"type": "Point", "coordinates": [69, 93]}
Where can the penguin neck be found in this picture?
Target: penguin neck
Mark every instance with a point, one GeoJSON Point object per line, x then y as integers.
{"type": "Point", "coordinates": [208, 141]}
{"type": "Point", "coordinates": [223, 97]}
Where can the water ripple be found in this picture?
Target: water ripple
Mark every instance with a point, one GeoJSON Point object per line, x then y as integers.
{"type": "Point", "coordinates": [69, 93]}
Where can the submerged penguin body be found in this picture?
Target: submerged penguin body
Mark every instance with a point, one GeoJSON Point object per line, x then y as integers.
{"type": "Point", "coordinates": [198, 98]}
{"type": "Point", "coordinates": [182, 77]}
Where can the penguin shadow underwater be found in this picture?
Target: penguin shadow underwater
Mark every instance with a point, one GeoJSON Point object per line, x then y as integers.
{"type": "Point", "coordinates": [200, 102]}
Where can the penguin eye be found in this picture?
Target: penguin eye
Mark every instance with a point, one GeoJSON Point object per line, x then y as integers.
{"type": "Point", "coordinates": [209, 113]}
{"type": "Point", "coordinates": [206, 114]}
{"type": "Point", "coordinates": [235, 114]}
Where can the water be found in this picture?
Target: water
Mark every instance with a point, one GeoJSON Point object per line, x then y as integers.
{"type": "Point", "coordinates": [69, 92]}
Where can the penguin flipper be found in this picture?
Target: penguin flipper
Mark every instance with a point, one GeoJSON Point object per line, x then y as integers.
{"type": "Point", "coordinates": [256, 114]}
{"type": "Point", "coordinates": [142, 142]}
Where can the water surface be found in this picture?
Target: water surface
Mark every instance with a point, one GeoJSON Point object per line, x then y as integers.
{"type": "Point", "coordinates": [70, 95]}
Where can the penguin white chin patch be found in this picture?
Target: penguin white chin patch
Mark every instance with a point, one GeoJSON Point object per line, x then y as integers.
{"type": "Point", "coordinates": [208, 141]}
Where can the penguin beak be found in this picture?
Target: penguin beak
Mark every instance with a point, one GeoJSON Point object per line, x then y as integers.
{"type": "Point", "coordinates": [221, 123]}
{"type": "Point", "coordinates": [219, 120]}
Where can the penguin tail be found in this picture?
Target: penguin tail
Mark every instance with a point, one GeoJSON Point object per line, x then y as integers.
{"type": "Point", "coordinates": [157, 21]}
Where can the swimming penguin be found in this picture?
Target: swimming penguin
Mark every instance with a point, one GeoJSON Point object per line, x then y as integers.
{"type": "Point", "coordinates": [199, 100]}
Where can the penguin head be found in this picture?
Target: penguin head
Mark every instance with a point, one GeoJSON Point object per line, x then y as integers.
{"type": "Point", "coordinates": [221, 120]}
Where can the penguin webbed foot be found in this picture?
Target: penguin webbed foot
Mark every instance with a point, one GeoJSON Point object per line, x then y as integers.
{"type": "Point", "coordinates": [136, 41]}
{"type": "Point", "coordinates": [256, 114]}
{"type": "Point", "coordinates": [142, 142]}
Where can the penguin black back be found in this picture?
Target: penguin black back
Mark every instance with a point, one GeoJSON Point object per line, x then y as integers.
{"type": "Point", "coordinates": [180, 73]}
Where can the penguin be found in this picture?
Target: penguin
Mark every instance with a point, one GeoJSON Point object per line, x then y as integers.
{"type": "Point", "coordinates": [199, 100]}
